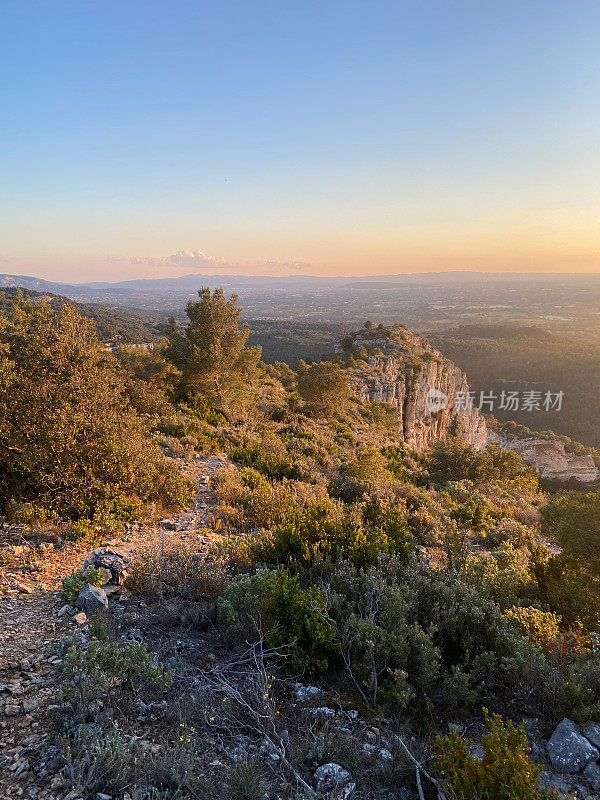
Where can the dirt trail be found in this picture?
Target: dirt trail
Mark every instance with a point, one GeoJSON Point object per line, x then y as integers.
{"type": "Point", "coordinates": [30, 627]}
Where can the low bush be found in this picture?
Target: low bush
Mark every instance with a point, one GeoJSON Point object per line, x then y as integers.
{"type": "Point", "coordinates": [72, 584]}
{"type": "Point", "coordinates": [504, 574]}
{"type": "Point", "coordinates": [410, 633]}
{"type": "Point", "coordinates": [273, 465]}
{"type": "Point", "coordinates": [333, 531]}
{"type": "Point", "coordinates": [263, 504]}
{"type": "Point", "coordinates": [542, 628]}
{"type": "Point", "coordinates": [101, 761]}
{"type": "Point", "coordinates": [293, 619]}
{"type": "Point", "coordinates": [175, 571]}
{"type": "Point", "coordinates": [100, 675]}
{"type": "Point", "coordinates": [505, 772]}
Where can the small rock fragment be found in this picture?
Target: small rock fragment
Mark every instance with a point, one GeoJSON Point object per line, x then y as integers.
{"type": "Point", "coordinates": [304, 693]}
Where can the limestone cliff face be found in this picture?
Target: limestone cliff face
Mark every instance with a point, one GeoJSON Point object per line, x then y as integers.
{"type": "Point", "coordinates": [393, 365]}
{"type": "Point", "coordinates": [406, 372]}
{"type": "Point", "coordinates": [548, 457]}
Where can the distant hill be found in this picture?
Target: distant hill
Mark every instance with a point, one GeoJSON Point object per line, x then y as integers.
{"type": "Point", "coordinates": [113, 323]}
{"type": "Point", "coordinates": [35, 284]}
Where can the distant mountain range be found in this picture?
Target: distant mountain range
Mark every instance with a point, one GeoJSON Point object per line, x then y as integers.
{"type": "Point", "coordinates": [193, 281]}
{"type": "Point", "coordinates": [419, 300]}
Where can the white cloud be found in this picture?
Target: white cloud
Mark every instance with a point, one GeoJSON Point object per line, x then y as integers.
{"type": "Point", "coordinates": [197, 260]}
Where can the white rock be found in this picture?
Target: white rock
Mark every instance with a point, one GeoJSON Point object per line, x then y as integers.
{"type": "Point", "coordinates": [331, 776]}
{"type": "Point", "coordinates": [304, 693]}
{"type": "Point", "coordinates": [322, 713]}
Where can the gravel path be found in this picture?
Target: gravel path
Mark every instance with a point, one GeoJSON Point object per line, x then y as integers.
{"type": "Point", "coordinates": [30, 627]}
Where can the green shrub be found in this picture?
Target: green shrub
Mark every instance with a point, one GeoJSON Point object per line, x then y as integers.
{"type": "Point", "coordinates": [504, 574]}
{"type": "Point", "coordinates": [504, 773]}
{"type": "Point", "coordinates": [580, 690]}
{"type": "Point", "coordinates": [412, 633]}
{"type": "Point", "coordinates": [542, 628]}
{"type": "Point", "coordinates": [331, 530]}
{"type": "Point", "coordinates": [323, 387]}
{"type": "Point", "coordinates": [567, 588]}
{"type": "Point", "coordinates": [572, 519]}
{"type": "Point", "coordinates": [106, 761]}
{"type": "Point", "coordinates": [366, 474]}
{"type": "Point", "coordinates": [31, 514]}
{"type": "Point", "coordinates": [103, 674]}
{"type": "Point", "coordinates": [72, 584]}
{"type": "Point", "coordinates": [294, 619]}
{"type": "Point", "coordinates": [396, 462]}
{"type": "Point", "coordinates": [245, 782]}
{"type": "Point", "coordinates": [264, 504]}
{"type": "Point", "coordinates": [99, 763]}
{"type": "Point", "coordinates": [198, 408]}
{"type": "Point", "coordinates": [275, 467]}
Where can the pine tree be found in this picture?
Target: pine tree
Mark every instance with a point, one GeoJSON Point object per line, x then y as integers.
{"type": "Point", "coordinates": [211, 352]}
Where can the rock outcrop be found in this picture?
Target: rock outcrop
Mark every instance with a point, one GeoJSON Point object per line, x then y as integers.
{"type": "Point", "coordinates": [430, 392]}
{"type": "Point", "coordinates": [549, 458]}
{"type": "Point", "coordinates": [569, 751]}
{"type": "Point", "coordinates": [92, 599]}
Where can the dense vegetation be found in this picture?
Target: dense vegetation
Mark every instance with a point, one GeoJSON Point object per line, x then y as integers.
{"type": "Point", "coordinates": [72, 446]}
{"type": "Point", "coordinates": [112, 323]}
{"type": "Point", "coordinates": [419, 586]}
{"type": "Point", "coordinates": [518, 358]}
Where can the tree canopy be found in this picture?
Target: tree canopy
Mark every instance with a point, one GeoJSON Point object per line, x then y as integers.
{"type": "Point", "coordinates": [70, 441]}
{"type": "Point", "coordinates": [323, 387]}
{"type": "Point", "coordinates": [211, 352]}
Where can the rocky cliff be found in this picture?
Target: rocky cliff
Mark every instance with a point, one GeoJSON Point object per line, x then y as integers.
{"type": "Point", "coordinates": [392, 365]}
{"type": "Point", "coordinates": [549, 458]}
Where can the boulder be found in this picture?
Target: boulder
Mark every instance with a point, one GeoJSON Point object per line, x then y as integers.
{"type": "Point", "coordinates": [592, 775]}
{"type": "Point", "coordinates": [331, 776]}
{"type": "Point", "coordinates": [591, 731]}
{"type": "Point", "coordinates": [569, 751]}
{"type": "Point", "coordinates": [109, 559]}
{"type": "Point", "coordinates": [92, 599]}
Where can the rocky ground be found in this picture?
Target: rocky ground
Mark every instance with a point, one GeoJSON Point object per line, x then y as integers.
{"type": "Point", "coordinates": [32, 564]}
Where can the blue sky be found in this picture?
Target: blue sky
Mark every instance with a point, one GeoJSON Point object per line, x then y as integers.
{"type": "Point", "coordinates": [331, 137]}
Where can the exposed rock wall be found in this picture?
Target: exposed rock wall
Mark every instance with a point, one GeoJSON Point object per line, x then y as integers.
{"type": "Point", "coordinates": [395, 366]}
{"type": "Point", "coordinates": [424, 386]}
{"type": "Point", "coordinates": [549, 458]}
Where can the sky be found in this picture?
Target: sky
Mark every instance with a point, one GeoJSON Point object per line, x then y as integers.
{"type": "Point", "coordinates": [328, 138]}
